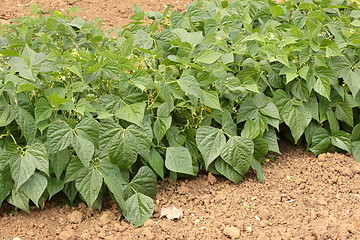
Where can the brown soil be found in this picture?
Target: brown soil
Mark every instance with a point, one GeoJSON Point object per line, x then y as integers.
{"type": "Point", "coordinates": [303, 197]}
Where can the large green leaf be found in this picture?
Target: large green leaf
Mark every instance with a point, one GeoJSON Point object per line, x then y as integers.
{"type": "Point", "coordinates": [238, 153]}
{"type": "Point", "coordinates": [356, 150]}
{"type": "Point", "coordinates": [161, 125]}
{"type": "Point", "coordinates": [207, 56]}
{"type": "Point", "coordinates": [89, 185]}
{"type": "Point", "coordinates": [7, 115]}
{"type": "Point", "coordinates": [38, 155]}
{"type": "Point", "coordinates": [178, 159]}
{"type": "Point", "coordinates": [54, 186]}
{"type": "Point", "coordinates": [59, 136]}
{"type": "Point", "coordinates": [190, 86]}
{"type": "Point", "coordinates": [211, 99]}
{"type": "Point", "coordinates": [257, 167]}
{"type": "Point", "coordinates": [322, 86]}
{"type": "Point", "coordinates": [156, 162]}
{"type": "Point", "coordinates": [74, 169]}
{"type": "Point", "coordinates": [84, 149]}
{"type": "Point", "coordinates": [20, 200]}
{"type": "Point", "coordinates": [226, 170]}
{"type": "Point", "coordinates": [320, 141]}
{"type": "Point", "coordinates": [210, 142]}
{"type": "Point", "coordinates": [27, 124]}
{"type": "Point", "coordinates": [43, 110]}
{"type": "Point", "coordinates": [22, 169]}
{"type": "Point", "coordinates": [144, 182]}
{"type": "Point", "coordinates": [139, 208]}
{"type": "Point", "coordinates": [344, 113]}
{"type": "Point", "coordinates": [114, 181]}
{"type": "Point", "coordinates": [88, 128]}
{"type": "Point", "coordinates": [133, 113]}
{"type": "Point", "coordinates": [296, 117]}
{"type": "Point", "coordinates": [342, 140]}
{"type": "Point", "coordinates": [6, 183]}
{"type": "Point", "coordinates": [59, 161]}
{"type": "Point", "coordinates": [34, 187]}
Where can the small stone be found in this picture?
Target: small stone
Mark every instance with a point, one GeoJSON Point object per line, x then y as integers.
{"type": "Point", "coordinates": [232, 232]}
{"type": "Point", "coordinates": [16, 238]}
{"type": "Point", "coordinates": [149, 223]}
{"type": "Point", "coordinates": [249, 229]}
{"type": "Point", "coordinates": [82, 206]}
{"type": "Point", "coordinates": [75, 217]}
{"type": "Point", "coordinates": [322, 157]}
{"type": "Point", "coordinates": [196, 221]}
{"type": "Point", "coordinates": [211, 178]}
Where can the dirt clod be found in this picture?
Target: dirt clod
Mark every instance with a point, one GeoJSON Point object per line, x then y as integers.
{"type": "Point", "coordinates": [211, 178]}
{"type": "Point", "coordinates": [75, 217]}
{"type": "Point", "coordinates": [232, 232]}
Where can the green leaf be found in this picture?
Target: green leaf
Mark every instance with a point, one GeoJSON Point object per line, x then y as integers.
{"type": "Point", "coordinates": [320, 141]}
{"type": "Point", "coordinates": [89, 185]}
{"type": "Point", "coordinates": [139, 208]}
{"type": "Point", "coordinates": [344, 113]}
{"type": "Point", "coordinates": [341, 140]}
{"type": "Point", "coordinates": [333, 122]}
{"type": "Point", "coordinates": [54, 186]}
{"type": "Point", "coordinates": [251, 129]}
{"type": "Point", "coordinates": [207, 56]}
{"type": "Point", "coordinates": [190, 86]}
{"type": "Point", "coordinates": [20, 200]}
{"type": "Point", "coordinates": [296, 117]}
{"type": "Point", "coordinates": [211, 99]}
{"type": "Point", "coordinates": [34, 187]}
{"type": "Point", "coordinates": [43, 110]}
{"type": "Point", "coordinates": [74, 169]}
{"type": "Point", "coordinates": [355, 151]}
{"type": "Point", "coordinates": [178, 159]}
{"type": "Point", "coordinates": [272, 140]}
{"type": "Point", "coordinates": [276, 11]}
{"type": "Point", "coordinates": [88, 128]}
{"type": "Point", "coordinates": [238, 153]}
{"type": "Point", "coordinates": [59, 136]}
{"type": "Point", "coordinates": [210, 142]}
{"type": "Point", "coordinates": [114, 181]}
{"type": "Point", "coordinates": [144, 182]}
{"type": "Point", "coordinates": [322, 86]}
{"type": "Point", "coordinates": [161, 125]}
{"type": "Point", "coordinates": [84, 149]}
{"type": "Point", "coordinates": [22, 169]}
{"type": "Point", "coordinates": [257, 167]}
{"type": "Point", "coordinates": [261, 148]}
{"type": "Point", "coordinates": [355, 135]}
{"type": "Point", "coordinates": [6, 183]}
{"type": "Point", "coordinates": [156, 162]}
{"type": "Point", "coordinates": [70, 191]}
{"type": "Point", "coordinates": [38, 155]}
{"type": "Point", "coordinates": [55, 99]}
{"type": "Point", "coordinates": [290, 72]}
{"type": "Point", "coordinates": [133, 113]}
{"type": "Point", "coordinates": [7, 115]}
{"type": "Point", "coordinates": [226, 170]}
{"type": "Point", "coordinates": [27, 124]}
{"type": "Point", "coordinates": [59, 161]}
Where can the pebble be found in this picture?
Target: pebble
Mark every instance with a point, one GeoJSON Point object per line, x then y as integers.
{"type": "Point", "coordinates": [232, 232]}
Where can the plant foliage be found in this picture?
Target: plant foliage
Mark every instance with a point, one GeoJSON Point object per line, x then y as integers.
{"type": "Point", "coordinates": [84, 113]}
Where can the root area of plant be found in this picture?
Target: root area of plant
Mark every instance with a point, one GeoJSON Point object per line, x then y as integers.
{"type": "Point", "coordinates": [303, 197]}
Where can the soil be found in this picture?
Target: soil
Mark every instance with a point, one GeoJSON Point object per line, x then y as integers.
{"type": "Point", "coordinates": [303, 197]}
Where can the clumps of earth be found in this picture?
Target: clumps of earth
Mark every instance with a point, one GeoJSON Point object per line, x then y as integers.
{"type": "Point", "coordinates": [303, 197]}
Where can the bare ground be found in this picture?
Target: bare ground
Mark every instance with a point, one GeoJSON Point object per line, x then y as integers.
{"type": "Point", "coordinates": [303, 197]}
